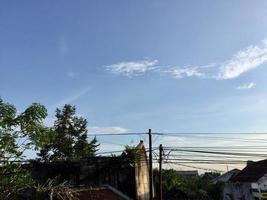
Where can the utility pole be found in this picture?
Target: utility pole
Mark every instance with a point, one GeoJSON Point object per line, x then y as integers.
{"type": "Point", "coordinates": [160, 171]}
{"type": "Point", "coordinates": [150, 166]}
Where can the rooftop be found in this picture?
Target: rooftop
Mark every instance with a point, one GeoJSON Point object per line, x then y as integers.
{"type": "Point", "coordinates": [100, 193]}
{"type": "Point", "coordinates": [252, 172]}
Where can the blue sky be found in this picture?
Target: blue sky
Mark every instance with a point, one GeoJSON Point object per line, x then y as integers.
{"type": "Point", "coordinates": [173, 66]}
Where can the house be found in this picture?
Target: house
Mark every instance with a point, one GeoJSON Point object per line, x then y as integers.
{"type": "Point", "coordinates": [228, 186]}
{"type": "Point", "coordinates": [131, 179]}
{"type": "Point", "coordinates": [248, 184]}
{"type": "Point", "coordinates": [225, 178]}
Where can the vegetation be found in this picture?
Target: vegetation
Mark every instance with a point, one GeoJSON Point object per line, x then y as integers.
{"type": "Point", "coordinates": [192, 188]}
{"type": "Point", "coordinates": [52, 190]}
{"type": "Point", "coordinates": [19, 132]}
{"type": "Point", "coordinates": [131, 154]}
{"type": "Point", "coordinates": [67, 140]}
{"type": "Point", "coordinates": [70, 138]}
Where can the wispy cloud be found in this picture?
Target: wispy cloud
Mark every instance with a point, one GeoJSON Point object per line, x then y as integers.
{"type": "Point", "coordinates": [71, 74]}
{"type": "Point", "coordinates": [74, 97]}
{"type": "Point", "coordinates": [132, 68]}
{"type": "Point", "coordinates": [246, 86]}
{"type": "Point", "coordinates": [186, 72]}
{"type": "Point", "coordinates": [106, 130]}
{"type": "Point", "coordinates": [243, 61]}
{"type": "Point", "coordinates": [63, 47]}
{"type": "Point", "coordinates": [191, 71]}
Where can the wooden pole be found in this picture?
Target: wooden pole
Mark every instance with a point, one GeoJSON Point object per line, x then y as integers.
{"type": "Point", "coordinates": [150, 166]}
{"type": "Point", "coordinates": [160, 171]}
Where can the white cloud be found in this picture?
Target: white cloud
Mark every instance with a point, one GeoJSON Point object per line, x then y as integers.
{"type": "Point", "coordinates": [106, 130]}
{"type": "Point", "coordinates": [246, 86]}
{"type": "Point", "coordinates": [132, 68]}
{"type": "Point", "coordinates": [203, 71]}
{"type": "Point", "coordinates": [104, 147]}
{"type": "Point", "coordinates": [186, 72]}
{"type": "Point", "coordinates": [243, 61]}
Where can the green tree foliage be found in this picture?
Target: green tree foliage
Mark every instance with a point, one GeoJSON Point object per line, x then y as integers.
{"type": "Point", "coordinates": [13, 181]}
{"type": "Point", "coordinates": [70, 137]}
{"type": "Point", "coordinates": [66, 140]}
{"type": "Point", "coordinates": [18, 132]}
{"type": "Point", "coordinates": [198, 187]}
{"type": "Point", "coordinates": [131, 154]}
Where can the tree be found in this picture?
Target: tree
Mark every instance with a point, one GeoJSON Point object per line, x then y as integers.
{"type": "Point", "coordinates": [131, 154]}
{"type": "Point", "coordinates": [70, 137]}
{"type": "Point", "coordinates": [179, 187]}
{"type": "Point", "coordinates": [18, 132]}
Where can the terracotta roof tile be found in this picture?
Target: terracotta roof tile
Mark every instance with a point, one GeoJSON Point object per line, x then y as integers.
{"type": "Point", "coordinates": [99, 193]}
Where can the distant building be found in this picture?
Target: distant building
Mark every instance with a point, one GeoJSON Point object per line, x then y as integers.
{"type": "Point", "coordinates": [248, 184]}
{"type": "Point", "coordinates": [210, 176]}
{"type": "Point", "coordinates": [131, 179]}
{"type": "Point", "coordinates": [187, 174]}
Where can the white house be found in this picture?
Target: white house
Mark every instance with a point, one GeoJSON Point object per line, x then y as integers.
{"type": "Point", "coordinates": [225, 178]}
{"type": "Point", "coordinates": [248, 184]}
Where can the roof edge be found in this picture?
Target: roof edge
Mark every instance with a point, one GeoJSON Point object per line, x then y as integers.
{"type": "Point", "coordinates": [119, 193]}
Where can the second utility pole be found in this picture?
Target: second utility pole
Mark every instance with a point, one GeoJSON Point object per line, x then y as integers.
{"type": "Point", "coordinates": [160, 171]}
{"type": "Point", "coordinates": [150, 166]}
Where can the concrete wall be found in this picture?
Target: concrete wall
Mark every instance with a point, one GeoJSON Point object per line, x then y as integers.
{"type": "Point", "coordinates": [131, 179]}
{"type": "Point", "coordinates": [142, 174]}
{"type": "Point", "coordinates": [95, 171]}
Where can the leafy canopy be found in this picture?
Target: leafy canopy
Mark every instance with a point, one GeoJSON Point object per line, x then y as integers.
{"type": "Point", "coordinates": [18, 132]}
{"type": "Point", "coordinates": [70, 140]}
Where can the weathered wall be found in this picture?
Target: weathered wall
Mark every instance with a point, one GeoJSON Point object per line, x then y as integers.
{"type": "Point", "coordinates": [95, 171]}
{"type": "Point", "coordinates": [142, 174]}
{"type": "Point", "coordinates": [133, 180]}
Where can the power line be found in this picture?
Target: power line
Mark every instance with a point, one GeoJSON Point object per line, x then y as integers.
{"type": "Point", "coordinates": [181, 133]}
{"type": "Point", "coordinates": [211, 156]}
{"type": "Point", "coordinates": [211, 147]}
{"type": "Point", "coordinates": [205, 161]}
{"type": "Point", "coordinates": [218, 152]}
{"type": "Point", "coordinates": [250, 140]}
{"type": "Point", "coordinates": [194, 167]}
{"type": "Point", "coordinates": [115, 134]}
{"type": "Point", "coordinates": [210, 133]}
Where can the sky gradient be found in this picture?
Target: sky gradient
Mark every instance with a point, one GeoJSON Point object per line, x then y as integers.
{"type": "Point", "coordinates": [173, 66]}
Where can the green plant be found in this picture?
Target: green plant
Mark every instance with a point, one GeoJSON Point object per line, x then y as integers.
{"type": "Point", "coordinates": [70, 138]}
{"type": "Point", "coordinates": [63, 192]}
{"type": "Point", "coordinates": [18, 133]}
